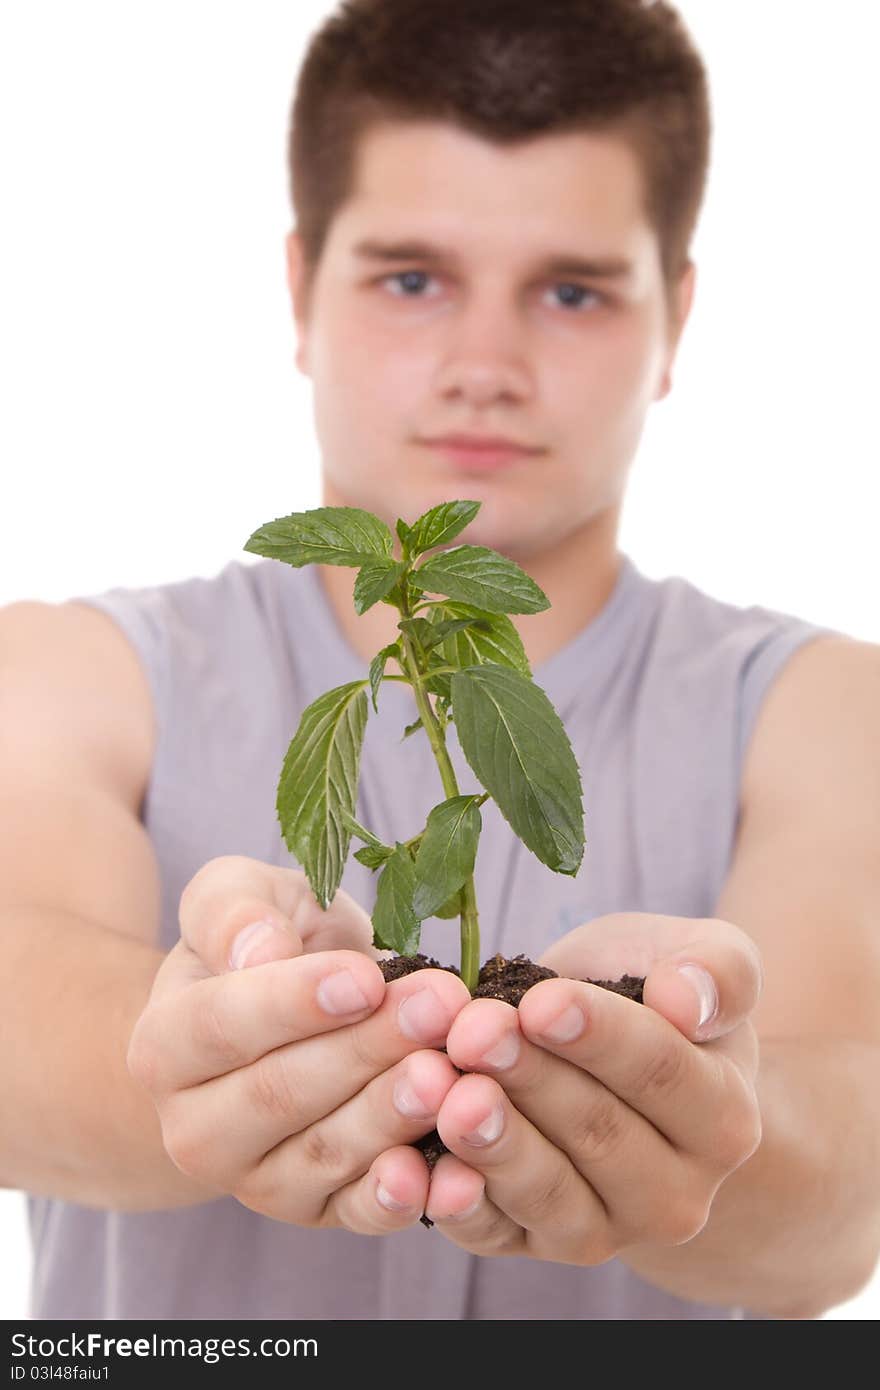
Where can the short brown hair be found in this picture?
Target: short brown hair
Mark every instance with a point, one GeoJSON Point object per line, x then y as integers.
{"type": "Point", "coordinates": [504, 70]}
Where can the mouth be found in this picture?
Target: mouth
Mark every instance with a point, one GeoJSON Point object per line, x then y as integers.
{"type": "Point", "coordinates": [479, 456]}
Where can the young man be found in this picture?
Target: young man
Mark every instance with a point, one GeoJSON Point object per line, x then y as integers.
{"type": "Point", "coordinates": [490, 278]}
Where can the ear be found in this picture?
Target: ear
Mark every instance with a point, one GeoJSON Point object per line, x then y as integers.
{"type": "Point", "coordinates": [296, 285]}
{"type": "Point", "coordinates": [683, 299]}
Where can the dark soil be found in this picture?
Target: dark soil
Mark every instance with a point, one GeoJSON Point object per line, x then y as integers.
{"type": "Point", "coordinates": [498, 979]}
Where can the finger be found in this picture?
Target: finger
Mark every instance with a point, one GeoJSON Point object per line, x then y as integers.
{"type": "Point", "coordinates": [609, 1143]}
{"type": "Point", "coordinates": [693, 1095]}
{"type": "Point", "coordinates": [282, 1091]}
{"type": "Point", "coordinates": [464, 1213]}
{"type": "Point", "coordinates": [655, 946]}
{"type": "Point", "coordinates": [456, 1191]}
{"type": "Point", "coordinates": [224, 1022]}
{"type": "Point", "coordinates": [400, 1177]}
{"type": "Point", "coordinates": [237, 911]}
{"type": "Point", "coordinates": [527, 1177]}
{"type": "Point", "coordinates": [296, 1180]}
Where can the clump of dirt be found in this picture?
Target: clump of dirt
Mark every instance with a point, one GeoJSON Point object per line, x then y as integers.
{"type": "Point", "coordinates": [499, 978]}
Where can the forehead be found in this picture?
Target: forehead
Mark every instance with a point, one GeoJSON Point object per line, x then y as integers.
{"type": "Point", "coordinates": [434, 178]}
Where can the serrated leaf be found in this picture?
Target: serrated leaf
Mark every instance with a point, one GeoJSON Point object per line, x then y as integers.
{"type": "Point", "coordinates": [411, 728]}
{"type": "Point", "coordinates": [395, 924]}
{"type": "Point", "coordinates": [374, 856]}
{"type": "Point", "coordinates": [374, 581]}
{"type": "Point", "coordinates": [403, 531]}
{"type": "Point", "coordinates": [360, 830]}
{"type": "Point", "coordinates": [442, 630]}
{"type": "Point", "coordinates": [516, 744]}
{"type": "Point", "coordinates": [474, 574]}
{"type": "Point", "coordinates": [323, 536]}
{"type": "Point", "coordinates": [377, 669]}
{"type": "Point", "coordinates": [319, 782]}
{"type": "Point", "coordinates": [440, 525]}
{"type": "Point", "coordinates": [447, 852]}
{"type": "Point", "coordinates": [478, 637]}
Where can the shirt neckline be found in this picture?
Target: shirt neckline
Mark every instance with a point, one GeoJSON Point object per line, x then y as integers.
{"type": "Point", "coordinates": [312, 622]}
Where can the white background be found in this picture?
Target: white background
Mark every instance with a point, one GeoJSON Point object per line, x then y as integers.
{"type": "Point", "coordinates": [153, 415]}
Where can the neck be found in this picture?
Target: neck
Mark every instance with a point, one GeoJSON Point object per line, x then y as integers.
{"type": "Point", "coordinates": [577, 574]}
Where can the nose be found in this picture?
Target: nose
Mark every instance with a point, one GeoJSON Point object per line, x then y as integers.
{"type": "Point", "coordinates": [484, 358]}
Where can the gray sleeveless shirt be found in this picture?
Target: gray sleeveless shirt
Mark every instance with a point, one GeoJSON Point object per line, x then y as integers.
{"type": "Point", "coordinates": [659, 694]}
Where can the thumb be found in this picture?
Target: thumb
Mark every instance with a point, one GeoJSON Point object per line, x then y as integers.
{"type": "Point", "coordinates": [343, 925]}
{"type": "Point", "coordinates": [702, 973]}
{"type": "Point", "coordinates": [709, 986]}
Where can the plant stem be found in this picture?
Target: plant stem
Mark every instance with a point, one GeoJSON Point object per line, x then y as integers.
{"type": "Point", "coordinates": [470, 928]}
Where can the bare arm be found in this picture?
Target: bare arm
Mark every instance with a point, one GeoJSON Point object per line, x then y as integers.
{"type": "Point", "coordinates": [795, 1230]}
{"type": "Point", "coordinates": [797, 1227]}
{"type": "Point", "coordinates": [77, 1126]}
{"type": "Point", "coordinates": [79, 914]}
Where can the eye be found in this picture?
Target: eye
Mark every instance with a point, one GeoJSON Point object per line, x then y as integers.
{"type": "Point", "coordinates": [574, 295]}
{"type": "Point", "coordinates": [408, 281]}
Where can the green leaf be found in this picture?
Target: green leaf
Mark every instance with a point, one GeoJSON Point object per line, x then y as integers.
{"type": "Point", "coordinates": [447, 852]}
{"type": "Point", "coordinates": [516, 744]}
{"type": "Point", "coordinates": [441, 630]}
{"type": "Point", "coordinates": [319, 782]}
{"type": "Point", "coordinates": [419, 629]}
{"type": "Point", "coordinates": [474, 574]}
{"type": "Point", "coordinates": [395, 924]}
{"type": "Point", "coordinates": [373, 582]}
{"type": "Point", "coordinates": [377, 669]}
{"type": "Point", "coordinates": [360, 830]}
{"type": "Point", "coordinates": [374, 856]}
{"type": "Point", "coordinates": [440, 525]}
{"type": "Point", "coordinates": [411, 728]}
{"type": "Point", "coordinates": [478, 637]}
{"type": "Point", "coordinates": [438, 685]}
{"type": "Point", "coordinates": [442, 708]}
{"type": "Point", "coordinates": [395, 596]}
{"type": "Point", "coordinates": [403, 531]}
{"type": "Point", "coordinates": [453, 907]}
{"type": "Point", "coordinates": [323, 536]}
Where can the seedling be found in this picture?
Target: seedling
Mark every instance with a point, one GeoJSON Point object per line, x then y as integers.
{"type": "Point", "coordinates": [466, 665]}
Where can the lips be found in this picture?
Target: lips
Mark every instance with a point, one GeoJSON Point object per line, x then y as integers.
{"type": "Point", "coordinates": [476, 443]}
{"type": "Point", "coordinates": [480, 453]}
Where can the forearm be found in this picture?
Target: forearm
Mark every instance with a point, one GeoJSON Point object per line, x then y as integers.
{"type": "Point", "coordinates": [76, 1124]}
{"type": "Point", "coordinates": [796, 1229]}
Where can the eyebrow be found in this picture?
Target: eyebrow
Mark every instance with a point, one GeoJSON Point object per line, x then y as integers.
{"type": "Point", "coordinates": [558, 263]}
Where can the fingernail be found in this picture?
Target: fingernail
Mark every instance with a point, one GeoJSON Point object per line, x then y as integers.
{"type": "Point", "coordinates": [568, 1026]}
{"type": "Point", "coordinates": [259, 942]}
{"type": "Point", "coordinates": [489, 1130]}
{"type": "Point", "coordinates": [504, 1053]}
{"type": "Point", "coordinates": [340, 993]}
{"type": "Point", "coordinates": [384, 1198]}
{"type": "Point", "coordinates": [706, 992]}
{"type": "Point", "coordinates": [408, 1102]}
{"type": "Point", "coordinates": [458, 1215]}
{"type": "Point", "coordinates": [423, 1016]}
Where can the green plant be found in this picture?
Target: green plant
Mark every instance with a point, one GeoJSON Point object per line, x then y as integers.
{"type": "Point", "coordinates": [466, 664]}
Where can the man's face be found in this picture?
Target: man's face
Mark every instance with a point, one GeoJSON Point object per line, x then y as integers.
{"type": "Point", "coordinates": [488, 338]}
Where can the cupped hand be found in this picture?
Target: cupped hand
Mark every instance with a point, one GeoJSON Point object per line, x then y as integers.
{"type": "Point", "coordinates": [294, 1078]}
{"type": "Point", "coordinates": [587, 1122]}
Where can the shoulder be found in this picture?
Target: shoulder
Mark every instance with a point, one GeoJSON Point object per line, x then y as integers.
{"type": "Point", "coordinates": [68, 670]}
{"type": "Point", "coordinates": [818, 727]}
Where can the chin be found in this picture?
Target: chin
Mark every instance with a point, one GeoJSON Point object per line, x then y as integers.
{"type": "Point", "coordinates": [505, 521]}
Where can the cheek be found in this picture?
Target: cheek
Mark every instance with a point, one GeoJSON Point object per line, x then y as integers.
{"type": "Point", "coordinates": [363, 369]}
{"type": "Point", "coordinates": [617, 366]}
